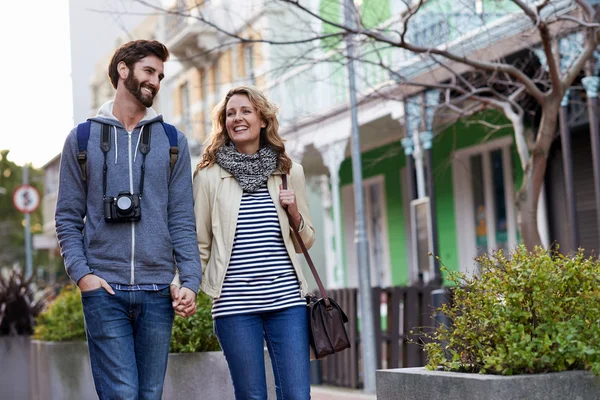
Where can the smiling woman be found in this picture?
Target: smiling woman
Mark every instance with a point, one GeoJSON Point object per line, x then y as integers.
{"type": "Point", "coordinates": [259, 287]}
{"type": "Point", "coordinates": [37, 83]}
{"type": "Point", "coordinates": [243, 124]}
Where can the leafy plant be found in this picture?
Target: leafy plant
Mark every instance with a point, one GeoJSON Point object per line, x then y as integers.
{"type": "Point", "coordinates": [20, 303]}
{"type": "Point", "coordinates": [63, 319]}
{"type": "Point", "coordinates": [532, 312]}
{"type": "Point", "coordinates": [195, 333]}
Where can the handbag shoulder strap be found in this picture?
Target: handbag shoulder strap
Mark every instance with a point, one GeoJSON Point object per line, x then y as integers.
{"type": "Point", "coordinates": [305, 251]}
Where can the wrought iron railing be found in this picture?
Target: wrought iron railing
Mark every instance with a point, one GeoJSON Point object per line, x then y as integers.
{"type": "Point", "coordinates": [310, 89]}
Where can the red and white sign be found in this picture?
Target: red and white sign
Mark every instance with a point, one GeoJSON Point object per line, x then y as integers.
{"type": "Point", "coordinates": [26, 199]}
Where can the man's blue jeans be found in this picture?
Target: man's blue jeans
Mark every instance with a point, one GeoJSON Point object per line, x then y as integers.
{"type": "Point", "coordinates": [128, 339]}
{"type": "Point", "coordinates": [285, 331]}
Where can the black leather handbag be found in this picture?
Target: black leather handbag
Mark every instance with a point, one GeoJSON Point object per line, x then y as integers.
{"type": "Point", "coordinates": [326, 330]}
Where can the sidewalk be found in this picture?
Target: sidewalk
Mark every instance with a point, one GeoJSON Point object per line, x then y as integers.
{"type": "Point", "coordinates": [322, 392]}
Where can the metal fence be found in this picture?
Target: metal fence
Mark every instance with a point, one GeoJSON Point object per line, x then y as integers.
{"type": "Point", "coordinates": [399, 311]}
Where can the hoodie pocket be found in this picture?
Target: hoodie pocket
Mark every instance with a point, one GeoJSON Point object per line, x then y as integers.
{"type": "Point", "coordinates": [153, 243]}
{"type": "Point", "coordinates": [109, 244]}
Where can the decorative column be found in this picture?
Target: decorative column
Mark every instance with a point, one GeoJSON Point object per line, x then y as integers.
{"type": "Point", "coordinates": [419, 144]}
{"type": "Point", "coordinates": [413, 119]}
{"type": "Point", "coordinates": [592, 84]}
{"type": "Point", "coordinates": [329, 236]}
{"type": "Point", "coordinates": [295, 150]}
{"type": "Point", "coordinates": [333, 155]}
{"type": "Point", "coordinates": [408, 145]}
{"type": "Point", "coordinates": [432, 98]}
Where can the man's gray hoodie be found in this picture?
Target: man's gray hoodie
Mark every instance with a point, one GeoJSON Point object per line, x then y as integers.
{"type": "Point", "coordinates": [128, 253]}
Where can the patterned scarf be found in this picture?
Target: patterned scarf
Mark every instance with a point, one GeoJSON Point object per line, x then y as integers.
{"type": "Point", "coordinates": [251, 172]}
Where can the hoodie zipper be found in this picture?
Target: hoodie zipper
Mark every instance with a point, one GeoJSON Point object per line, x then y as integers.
{"type": "Point", "coordinates": [132, 223]}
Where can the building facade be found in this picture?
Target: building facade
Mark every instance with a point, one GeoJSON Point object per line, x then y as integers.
{"type": "Point", "coordinates": [470, 171]}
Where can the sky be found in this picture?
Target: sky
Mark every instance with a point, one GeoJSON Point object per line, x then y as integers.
{"type": "Point", "coordinates": [36, 81]}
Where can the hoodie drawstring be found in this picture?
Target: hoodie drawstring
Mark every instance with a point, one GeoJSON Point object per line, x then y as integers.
{"type": "Point", "coordinates": [138, 143]}
{"type": "Point", "coordinates": [116, 145]}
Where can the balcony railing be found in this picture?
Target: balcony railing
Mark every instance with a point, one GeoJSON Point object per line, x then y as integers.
{"type": "Point", "coordinates": [219, 15]}
{"type": "Point", "coordinates": [312, 89]}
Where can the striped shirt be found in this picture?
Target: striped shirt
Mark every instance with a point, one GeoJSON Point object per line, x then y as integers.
{"type": "Point", "coordinates": [260, 276]}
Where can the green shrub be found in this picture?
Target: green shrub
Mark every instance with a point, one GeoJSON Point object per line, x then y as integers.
{"type": "Point", "coordinates": [533, 312]}
{"type": "Point", "coordinates": [195, 333]}
{"type": "Point", "coordinates": [63, 319]}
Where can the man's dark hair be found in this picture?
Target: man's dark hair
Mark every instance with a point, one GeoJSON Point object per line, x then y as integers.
{"type": "Point", "coordinates": [132, 52]}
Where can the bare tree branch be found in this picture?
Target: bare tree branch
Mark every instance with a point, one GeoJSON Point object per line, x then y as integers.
{"type": "Point", "coordinates": [586, 7]}
{"type": "Point", "coordinates": [411, 12]}
{"type": "Point", "coordinates": [546, 39]}
{"type": "Point", "coordinates": [579, 63]}
{"type": "Point", "coordinates": [242, 39]}
{"type": "Point", "coordinates": [541, 6]}
{"type": "Point", "coordinates": [578, 21]}
{"type": "Point", "coordinates": [533, 16]}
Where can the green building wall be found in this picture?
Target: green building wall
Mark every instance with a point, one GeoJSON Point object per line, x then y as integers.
{"type": "Point", "coordinates": [389, 160]}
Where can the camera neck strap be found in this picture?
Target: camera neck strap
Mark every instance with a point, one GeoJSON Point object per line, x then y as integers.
{"type": "Point", "coordinates": [105, 145]}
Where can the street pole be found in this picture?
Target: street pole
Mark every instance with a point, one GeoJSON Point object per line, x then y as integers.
{"type": "Point", "coordinates": [28, 261]}
{"type": "Point", "coordinates": [367, 328]}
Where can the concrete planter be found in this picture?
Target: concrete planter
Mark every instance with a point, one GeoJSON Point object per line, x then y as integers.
{"type": "Point", "coordinates": [61, 371]}
{"type": "Point", "coordinates": [205, 376]}
{"type": "Point", "coordinates": [14, 356]}
{"type": "Point", "coordinates": [418, 383]}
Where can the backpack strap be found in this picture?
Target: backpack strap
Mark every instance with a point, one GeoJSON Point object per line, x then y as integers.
{"type": "Point", "coordinates": [145, 140]}
{"type": "Point", "coordinates": [105, 139]}
{"type": "Point", "coordinates": [83, 134]}
{"type": "Point", "coordinates": [171, 132]}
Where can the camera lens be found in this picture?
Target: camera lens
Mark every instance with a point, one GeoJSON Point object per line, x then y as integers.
{"type": "Point", "coordinates": [124, 203]}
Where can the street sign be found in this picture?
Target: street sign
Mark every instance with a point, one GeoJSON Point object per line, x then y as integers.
{"type": "Point", "coordinates": [26, 199]}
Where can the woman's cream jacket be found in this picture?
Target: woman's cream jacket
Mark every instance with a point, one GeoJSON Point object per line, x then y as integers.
{"type": "Point", "coordinates": [217, 198]}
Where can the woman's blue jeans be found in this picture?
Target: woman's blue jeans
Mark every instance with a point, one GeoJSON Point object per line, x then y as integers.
{"type": "Point", "coordinates": [128, 339]}
{"type": "Point", "coordinates": [285, 331]}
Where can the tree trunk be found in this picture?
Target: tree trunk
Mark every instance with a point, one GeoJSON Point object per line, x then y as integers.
{"type": "Point", "coordinates": [533, 177]}
{"type": "Point", "coordinates": [527, 207]}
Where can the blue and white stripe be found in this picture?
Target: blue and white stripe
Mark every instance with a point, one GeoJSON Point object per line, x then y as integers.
{"type": "Point", "coordinates": [260, 276]}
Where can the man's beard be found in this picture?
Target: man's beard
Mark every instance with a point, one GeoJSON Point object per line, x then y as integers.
{"type": "Point", "coordinates": [135, 88]}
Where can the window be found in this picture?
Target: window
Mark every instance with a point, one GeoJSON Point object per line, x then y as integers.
{"type": "Point", "coordinates": [376, 229]}
{"type": "Point", "coordinates": [249, 63]}
{"type": "Point", "coordinates": [186, 120]}
{"type": "Point", "coordinates": [484, 200]}
{"type": "Point", "coordinates": [206, 124]}
{"type": "Point", "coordinates": [217, 83]}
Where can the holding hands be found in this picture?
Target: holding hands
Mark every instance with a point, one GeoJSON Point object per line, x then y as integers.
{"type": "Point", "coordinates": [184, 301]}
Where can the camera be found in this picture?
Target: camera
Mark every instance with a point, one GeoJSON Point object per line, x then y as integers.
{"type": "Point", "coordinates": [126, 207]}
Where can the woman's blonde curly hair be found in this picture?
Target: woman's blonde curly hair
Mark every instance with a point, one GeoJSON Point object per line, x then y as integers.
{"type": "Point", "coordinates": [269, 135]}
